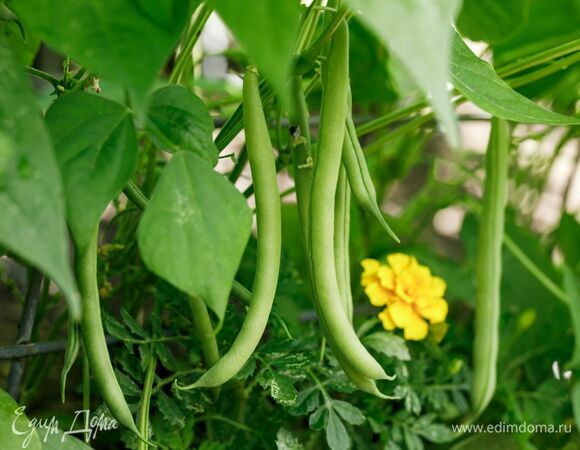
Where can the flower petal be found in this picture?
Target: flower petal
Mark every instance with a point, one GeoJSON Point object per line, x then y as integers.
{"type": "Point", "coordinates": [399, 261]}
{"type": "Point", "coordinates": [435, 311]}
{"type": "Point", "coordinates": [402, 313]}
{"type": "Point", "coordinates": [385, 318]}
{"type": "Point", "coordinates": [438, 287]}
{"type": "Point", "coordinates": [377, 294]}
{"type": "Point", "coordinates": [416, 330]}
{"type": "Point", "coordinates": [370, 268]}
{"type": "Point", "coordinates": [386, 277]}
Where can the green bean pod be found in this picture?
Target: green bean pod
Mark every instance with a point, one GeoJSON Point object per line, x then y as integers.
{"type": "Point", "coordinates": [361, 381]}
{"type": "Point", "coordinates": [341, 239]}
{"type": "Point", "coordinates": [269, 230]}
{"type": "Point", "coordinates": [322, 197]}
{"type": "Point", "coordinates": [488, 268]}
{"type": "Point", "coordinates": [94, 336]}
{"type": "Point", "coordinates": [359, 178]}
{"type": "Point", "coordinates": [301, 154]}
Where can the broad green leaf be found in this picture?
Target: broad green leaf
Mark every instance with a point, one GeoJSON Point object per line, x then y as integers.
{"type": "Point", "coordinates": [571, 288]}
{"type": "Point", "coordinates": [266, 29]}
{"type": "Point", "coordinates": [492, 21]}
{"type": "Point", "coordinates": [388, 344]}
{"type": "Point", "coordinates": [59, 441]}
{"type": "Point", "coordinates": [18, 35]}
{"type": "Point", "coordinates": [348, 412]}
{"type": "Point", "coordinates": [195, 229]}
{"type": "Point", "coordinates": [549, 23]}
{"type": "Point", "coordinates": [32, 222]}
{"type": "Point", "coordinates": [479, 83]}
{"type": "Point", "coordinates": [178, 120]}
{"type": "Point", "coordinates": [127, 41]}
{"type": "Point", "coordinates": [96, 149]}
{"type": "Point", "coordinates": [15, 431]}
{"type": "Point", "coordinates": [419, 33]}
{"type": "Point", "coordinates": [336, 434]}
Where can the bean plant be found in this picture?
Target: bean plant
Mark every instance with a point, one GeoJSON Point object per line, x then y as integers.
{"type": "Point", "coordinates": [260, 260]}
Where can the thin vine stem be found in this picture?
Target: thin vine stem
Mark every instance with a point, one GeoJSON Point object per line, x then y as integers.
{"type": "Point", "coordinates": [192, 36]}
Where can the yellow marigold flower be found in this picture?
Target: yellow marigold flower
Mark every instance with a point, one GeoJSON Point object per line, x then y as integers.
{"type": "Point", "coordinates": [412, 296]}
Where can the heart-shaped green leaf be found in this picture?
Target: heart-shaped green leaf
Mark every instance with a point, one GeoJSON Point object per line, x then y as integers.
{"type": "Point", "coordinates": [96, 149]}
{"type": "Point", "coordinates": [31, 200]}
{"type": "Point", "coordinates": [195, 230]}
{"type": "Point", "coordinates": [177, 119]}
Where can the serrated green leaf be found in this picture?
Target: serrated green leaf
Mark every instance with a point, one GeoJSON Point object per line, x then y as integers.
{"type": "Point", "coordinates": [178, 120]}
{"type": "Point", "coordinates": [280, 387]}
{"type": "Point", "coordinates": [388, 344]}
{"type": "Point", "coordinates": [133, 325]}
{"type": "Point", "coordinates": [170, 410]}
{"type": "Point", "coordinates": [246, 371]}
{"type": "Point", "coordinates": [96, 148]}
{"type": "Point", "coordinates": [114, 327]}
{"type": "Point", "coordinates": [425, 53]}
{"type": "Point", "coordinates": [269, 45]}
{"type": "Point", "coordinates": [195, 229]}
{"type": "Point", "coordinates": [479, 83]}
{"type": "Point", "coordinates": [128, 386]}
{"type": "Point", "coordinates": [348, 412]}
{"type": "Point", "coordinates": [32, 222]}
{"type": "Point", "coordinates": [336, 434]}
{"type": "Point", "coordinates": [126, 41]}
{"type": "Point", "coordinates": [285, 440]}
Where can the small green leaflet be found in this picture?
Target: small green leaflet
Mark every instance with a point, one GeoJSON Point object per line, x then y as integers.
{"type": "Point", "coordinates": [195, 230]}
{"type": "Point", "coordinates": [419, 33]}
{"type": "Point", "coordinates": [177, 119]}
{"type": "Point", "coordinates": [127, 41]}
{"type": "Point", "coordinates": [32, 223]}
{"type": "Point", "coordinates": [96, 148]}
{"type": "Point", "coordinates": [267, 30]}
{"type": "Point", "coordinates": [479, 83]}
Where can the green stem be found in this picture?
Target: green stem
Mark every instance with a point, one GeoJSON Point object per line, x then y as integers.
{"type": "Point", "coordinates": [189, 42]}
{"type": "Point", "coordinates": [86, 393]}
{"type": "Point", "coordinates": [136, 196]}
{"type": "Point", "coordinates": [143, 419]}
{"type": "Point", "coordinates": [539, 58]}
{"type": "Point", "coordinates": [544, 71]}
{"type": "Point", "coordinates": [534, 269]}
{"type": "Point", "coordinates": [205, 331]}
{"type": "Point", "coordinates": [43, 75]}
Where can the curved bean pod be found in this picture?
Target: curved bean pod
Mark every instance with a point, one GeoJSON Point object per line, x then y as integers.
{"type": "Point", "coordinates": [341, 239]}
{"type": "Point", "coordinates": [359, 178]}
{"type": "Point", "coordinates": [488, 268]}
{"type": "Point", "coordinates": [94, 337]}
{"type": "Point", "coordinates": [269, 229]}
{"type": "Point", "coordinates": [301, 155]}
{"type": "Point", "coordinates": [323, 191]}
